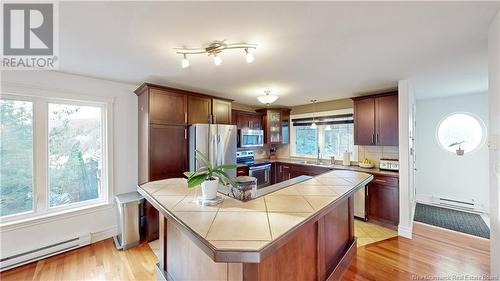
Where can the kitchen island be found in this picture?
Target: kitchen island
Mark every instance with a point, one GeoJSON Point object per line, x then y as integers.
{"type": "Point", "coordinates": [301, 232]}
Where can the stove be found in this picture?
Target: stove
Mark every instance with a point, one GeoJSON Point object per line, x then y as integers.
{"type": "Point", "coordinates": [258, 169]}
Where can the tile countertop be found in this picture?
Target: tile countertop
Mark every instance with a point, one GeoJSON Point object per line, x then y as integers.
{"type": "Point", "coordinates": [235, 226]}
{"type": "Point", "coordinates": [299, 161]}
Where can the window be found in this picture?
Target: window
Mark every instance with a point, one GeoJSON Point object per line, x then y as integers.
{"type": "Point", "coordinates": [306, 140]}
{"type": "Point", "coordinates": [69, 171]}
{"type": "Point", "coordinates": [75, 153]}
{"type": "Point", "coordinates": [338, 139]}
{"type": "Point", "coordinates": [333, 135]}
{"type": "Point", "coordinates": [16, 155]}
{"type": "Point", "coordinates": [461, 130]}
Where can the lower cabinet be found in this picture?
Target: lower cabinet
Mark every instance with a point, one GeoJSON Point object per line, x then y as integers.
{"type": "Point", "coordinates": [382, 204]}
{"type": "Point", "coordinates": [286, 171]}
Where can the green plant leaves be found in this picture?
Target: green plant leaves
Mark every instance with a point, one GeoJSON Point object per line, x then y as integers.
{"type": "Point", "coordinates": [197, 179]}
{"type": "Point", "coordinates": [207, 172]}
{"type": "Point", "coordinates": [204, 159]}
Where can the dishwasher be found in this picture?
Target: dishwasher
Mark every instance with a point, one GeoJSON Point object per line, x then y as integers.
{"type": "Point", "coordinates": [359, 203]}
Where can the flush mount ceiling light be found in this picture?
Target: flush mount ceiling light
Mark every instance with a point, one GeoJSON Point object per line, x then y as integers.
{"type": "Point", "coordinates": [267, 99]}
{"type": "Point", "coordinates": [214, 49]}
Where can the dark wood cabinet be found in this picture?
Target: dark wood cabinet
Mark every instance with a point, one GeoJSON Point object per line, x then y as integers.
{"type": "Point", "coordinates": [242, 171]}
{"type": "Point", "coordinates": [273, 122]}
{"type": "Point", "coordinates": [221, 111]}
{"type": "Point", "coordinates": [286, 171]}
{"type": "Point", "coordinates": [364, 121]}
{"type": "Point", "coordinates": [283, 172]}
{"type": "Point", "coordinates": [164, 114]}
{"type": "Point", "coordinates": [376, 120]}
{"type": "Point", "coordinates": [199, 109]}
{"type": "Point", "coordinates": [168, 151]}
{"type": "Point", "coordinates": [382, 204]}
{"type": "Point", "coordinates": [167, 107]}
{"type": "Point", "coordinates": [386, 117]}
{"type": "Point", "coordinates": [247, 119]}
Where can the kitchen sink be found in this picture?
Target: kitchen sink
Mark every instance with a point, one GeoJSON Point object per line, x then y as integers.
{"type": "Point", "coordinates": [312, 162]}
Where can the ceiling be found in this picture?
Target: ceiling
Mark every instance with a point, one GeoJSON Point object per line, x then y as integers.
{"type": "Point", "coordinates": [321, 50]}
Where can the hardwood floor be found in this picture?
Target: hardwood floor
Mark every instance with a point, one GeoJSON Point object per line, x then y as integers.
{"type": "Point", "coordinates": [99, 261]}
{"type": "Point", "coordinates": [392, 259]}
{"type": "Point", "coordinates": [403, 259]}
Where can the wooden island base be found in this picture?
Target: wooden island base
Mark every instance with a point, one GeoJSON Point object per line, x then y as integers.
{"type": "Point", "coordinates": [320, 249]}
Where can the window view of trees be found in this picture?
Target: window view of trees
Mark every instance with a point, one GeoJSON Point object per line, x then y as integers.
{"type": "Point", "coordinates": [16, 157]}
{"type": "Point", "coordinates": [333, 140]}
{"type": "Point", "coordinates": [338, 139]}
{"type": "Point", "coordinates": [306, 141]}
{"type": "Point", "coordinates": [75, 153]}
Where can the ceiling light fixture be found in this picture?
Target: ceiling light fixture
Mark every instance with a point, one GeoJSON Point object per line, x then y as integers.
{"type": "Point", "coordinates": [214, 49]}
{"type": "Point", "coordinates": [185, 62]}
{"type": "Point", "coordinates": [267, 99]}
{"type": "Point", "coordinates": [313, 125]}
{"type": "Point", "coordinates": [217, 60]}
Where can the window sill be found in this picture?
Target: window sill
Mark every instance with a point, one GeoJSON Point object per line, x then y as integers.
{"type": "Point", "coordinates": [49, 217]}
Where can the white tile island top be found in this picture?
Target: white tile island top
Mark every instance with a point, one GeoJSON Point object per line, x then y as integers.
{"type": "Point", "coordinates": [236, 231]}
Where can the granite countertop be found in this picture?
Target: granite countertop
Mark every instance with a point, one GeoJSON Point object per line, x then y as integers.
{"type": "Point", "coordinates": [299, 161]}
{"type": "Point", "coordinates": [250, 226]}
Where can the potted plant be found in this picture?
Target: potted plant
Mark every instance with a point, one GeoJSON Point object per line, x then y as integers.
{"type": "Point", "coordinates": [209, 177]}
{"type": "Point", "coordinates": [459, 151]}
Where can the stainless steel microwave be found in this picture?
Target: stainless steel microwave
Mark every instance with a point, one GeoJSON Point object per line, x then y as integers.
{"type": "Point", "coordinates": [251, 138]}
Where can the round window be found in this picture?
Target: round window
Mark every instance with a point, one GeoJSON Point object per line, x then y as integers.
{"type": "Point", "coordinates": [461, 131]}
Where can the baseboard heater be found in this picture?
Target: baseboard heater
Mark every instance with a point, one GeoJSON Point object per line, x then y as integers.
{"type": "Point", "coordinates": [43, 252]}
{"type": "Point", "coordinates": [457, 204]}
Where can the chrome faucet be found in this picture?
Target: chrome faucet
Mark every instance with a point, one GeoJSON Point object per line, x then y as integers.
{"type": "Point", "coordinates": [332, 160]}
{"type": "Point", "coordinates": [319, 156]}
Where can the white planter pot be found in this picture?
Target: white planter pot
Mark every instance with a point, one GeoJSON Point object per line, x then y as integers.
{"type": "Point", "coordinates": [209, 188]}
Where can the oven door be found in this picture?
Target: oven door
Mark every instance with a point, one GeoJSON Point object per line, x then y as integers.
{"type": "Point", "coordinates": [262, 173]}
{"type": "Point", "coordinates": [251, 138]}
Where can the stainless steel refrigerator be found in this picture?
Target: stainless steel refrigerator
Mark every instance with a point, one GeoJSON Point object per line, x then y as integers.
{"type": "Point", "coordinates": [216, 141]}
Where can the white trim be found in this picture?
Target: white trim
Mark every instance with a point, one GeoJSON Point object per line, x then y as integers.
{"type": "Point", "coordinates": [484, 131]}
{"type": "Point", "coordinates": [406, 232]}
{"type": "Point", "coordinates": [103, 234]}
{"type": "Point", "coordinates": [320, 133]}
{"type": "Point", "coordinates": [50, 92]}
{"type": "Point", "coordinates": [41, 206]}
{"type": "Point", "coordinates": [56, 216]}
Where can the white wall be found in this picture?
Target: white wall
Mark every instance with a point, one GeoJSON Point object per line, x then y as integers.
{"type": "Point", "coordinates": [441, 173]}
{"type": "Point", "coordinates": [100, 222]}
{"type": "Point", "coordinates": [494, 116]}
{"type": "Point", "coordinates": [406, 187]}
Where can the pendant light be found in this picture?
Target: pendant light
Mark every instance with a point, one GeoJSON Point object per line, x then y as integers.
{"type": "Point", "coordinates": [249, 56]}
{"type": "Point", "coordinates": [313, 125]}
{"type": "Point", "coordinates": [185, 62]}
{"type": "Point", "coordinates": [267, 99]}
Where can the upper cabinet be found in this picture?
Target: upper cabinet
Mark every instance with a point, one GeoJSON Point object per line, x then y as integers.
{"type": "Point", "coordinates": [376, 120]}
{"type": "Point", "coordinates": [167, 107]}
{"type": "Point", "coordinates": [275, 122]}
{"type": "Point", "coordinates": [199, 109]}
{"type": "Point", "coordinates": [221, 111]}
{"type": "Point", "coordinates": [247, 120]}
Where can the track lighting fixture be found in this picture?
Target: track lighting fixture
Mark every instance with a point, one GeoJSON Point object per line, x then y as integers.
{"type": "Point", "coordinates": [214, 49]}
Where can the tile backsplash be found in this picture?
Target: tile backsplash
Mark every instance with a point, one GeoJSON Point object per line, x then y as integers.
{"type": "Point", "coordinates": [375, 153]}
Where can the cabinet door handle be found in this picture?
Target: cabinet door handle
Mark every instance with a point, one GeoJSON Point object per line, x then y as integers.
{"type": "Point", "coordinates": [376, 138]}
{"type": "Point", "coordinates": [215, 119]}
{"type": "Point", "coordinates": [373, 138]}
{"type": "Point", "coordinates": [185, 134]}
{"type": "Point", "coordinates": [185, 117]}
{"type": "Point", "coordinates": [379, 180]}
